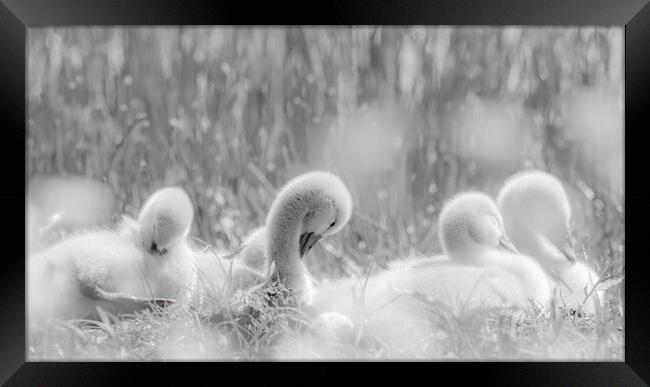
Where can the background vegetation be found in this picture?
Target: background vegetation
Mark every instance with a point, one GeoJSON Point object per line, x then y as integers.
{"type": "Point", "coordinates": [407, 116]}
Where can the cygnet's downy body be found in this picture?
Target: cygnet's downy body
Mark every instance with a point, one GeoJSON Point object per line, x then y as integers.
{"type": "Point", "coordinates": [66, 280]}
{"type": "Point", "coordinates": [121, 270]}
{"type": "Point", "coordinates": [129, 228]}
{"type": "Point", "coordinates": [536, 215]}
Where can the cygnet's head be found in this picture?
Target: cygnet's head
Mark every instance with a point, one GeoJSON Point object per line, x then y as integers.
{"type": "Point", "coordinates": [535, 202]}
{"type": "Point", "coordinates": [469, 223]}
{"type": "Point", "coordinates": [309, 207]}
{"type": "Point", "coordinates": [165, 219]}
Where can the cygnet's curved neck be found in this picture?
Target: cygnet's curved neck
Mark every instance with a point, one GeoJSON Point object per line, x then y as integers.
{"type": "Point", "coordinates": [551, 257]}
{"type": "Point", "coordinates": [284, 236]}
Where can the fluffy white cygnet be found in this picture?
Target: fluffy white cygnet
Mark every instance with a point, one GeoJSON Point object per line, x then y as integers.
{"type": "Point", "coordinates": [536, 215]}
{"type": "Point", "coordinates": [471, 230]}
{"type": "Point", "coordinates": [121, 269]}
{"type": "Point", "coordinates": [308, 208]}
{"type": "Point", "coordinates": [165, 221]}
{"type": "Point", "coordinates": [476, 272]}
{"type": "Point", "coordinates": [477, 269]}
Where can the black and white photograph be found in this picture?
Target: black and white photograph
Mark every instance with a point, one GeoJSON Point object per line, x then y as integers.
{"type": "Point", "coordinates": [260, 193]}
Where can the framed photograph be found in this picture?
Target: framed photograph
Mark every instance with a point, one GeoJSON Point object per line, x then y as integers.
{"type": "Point", "coordinates": [441, 184]}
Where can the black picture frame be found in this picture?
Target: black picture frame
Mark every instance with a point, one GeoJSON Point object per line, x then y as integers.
{"type": "Point", "coordinates": [18, 15]}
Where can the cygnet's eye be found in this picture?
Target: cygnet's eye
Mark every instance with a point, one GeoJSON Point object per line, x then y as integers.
{"type": "Point", "coordinates": [333, 224]}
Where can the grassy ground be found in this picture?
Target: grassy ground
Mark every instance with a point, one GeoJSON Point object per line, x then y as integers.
{"type": "Point", "coordinates": [243, 326]}
{"type": "Point", "coordinates": [176, 334]}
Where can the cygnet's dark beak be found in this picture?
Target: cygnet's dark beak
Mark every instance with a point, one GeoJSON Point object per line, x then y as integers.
{"type": "Point", "coordinates": [307, 241]}
{"type": "Point", "coordinates": [155, 250]}
{"type": "Point", "coordinates": [568, 250]}
{"type": "Point", "coordinates": [506, 244]}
